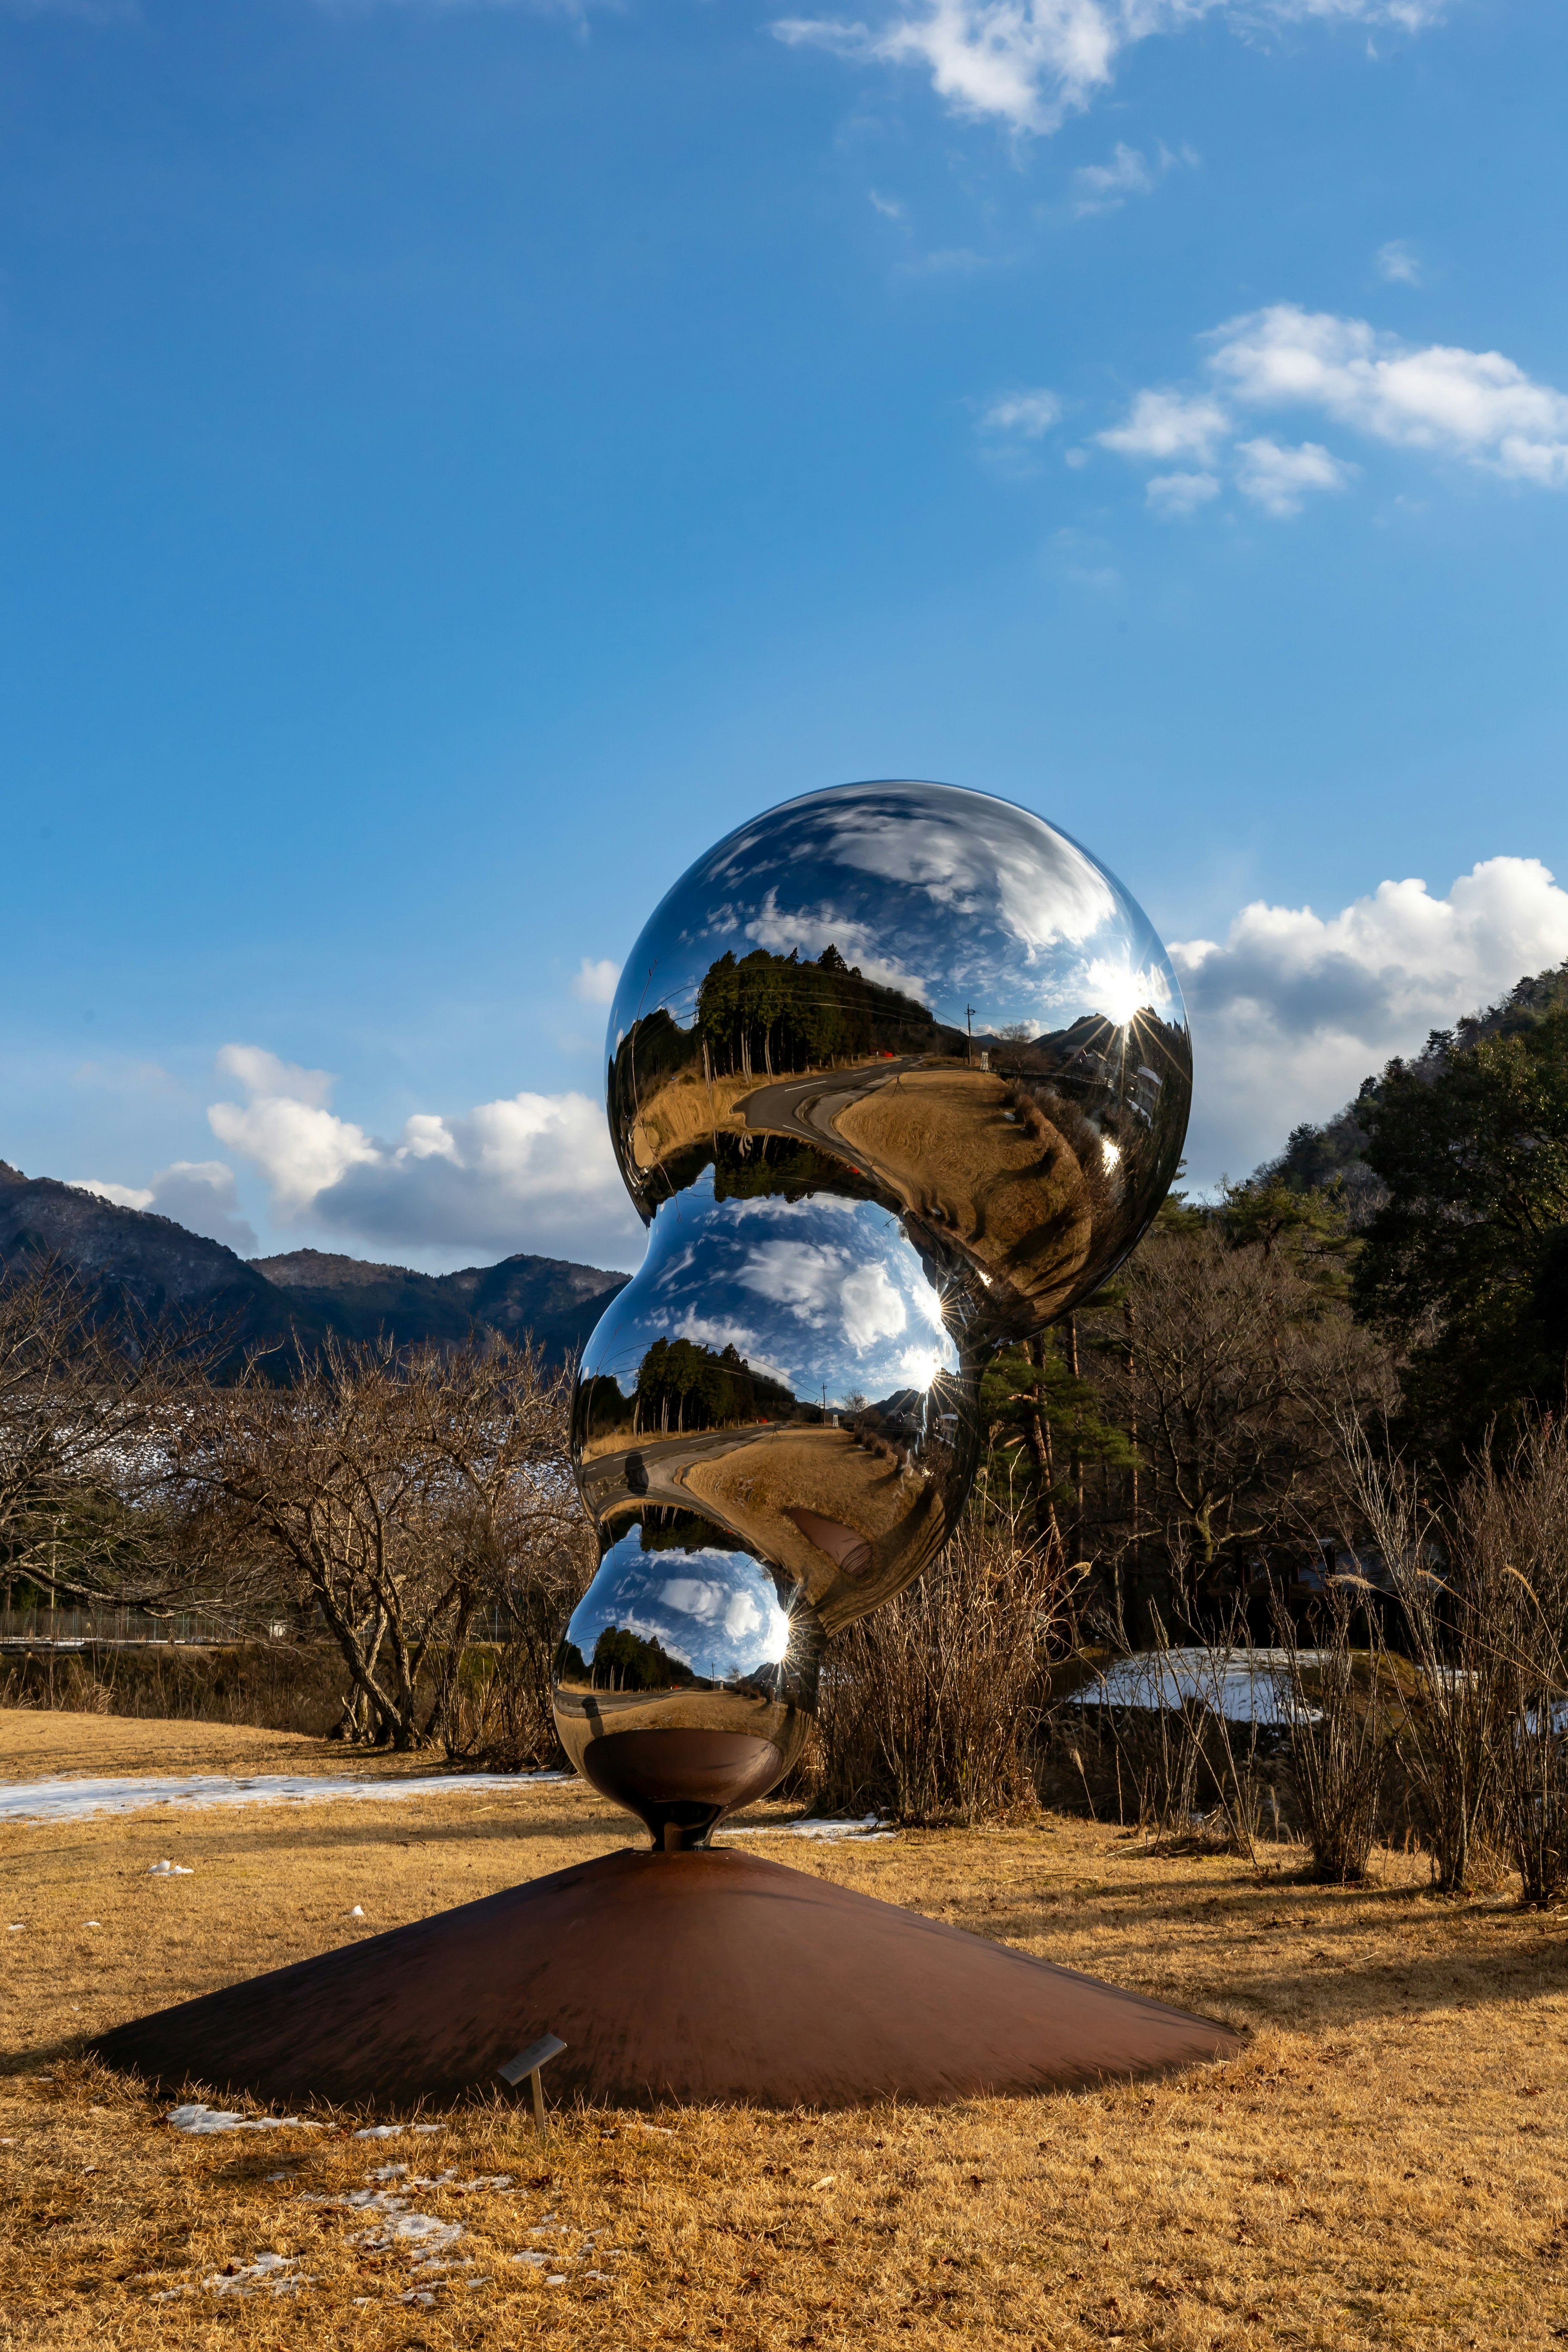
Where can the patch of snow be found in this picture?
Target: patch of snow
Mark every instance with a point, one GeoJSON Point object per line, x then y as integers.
{"type": "Point", "coordinates": [1242, 1686]}
{"type": "Point", "coordinates": [199, 2118]}
{"type": "Point", "coordinates": [267, 2274]}
{"type": "Point", "coordinates": [169, 1869]}
{"type": "Point", "coordinates": [380, 2131]}
{"type": "Point", "coordinates": [58, 1799]}
{"type": "Point", "coordinates": [868, 1831]}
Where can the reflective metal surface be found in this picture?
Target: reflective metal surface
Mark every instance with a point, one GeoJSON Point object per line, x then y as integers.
{"type": "Point", "coordinates": [897, 1073]}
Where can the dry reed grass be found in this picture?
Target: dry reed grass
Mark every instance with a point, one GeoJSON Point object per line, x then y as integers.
{"type": "Point", "coordinates": [1383, 2167]}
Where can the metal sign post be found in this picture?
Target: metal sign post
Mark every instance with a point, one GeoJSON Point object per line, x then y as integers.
{"type": "Point", "coordinates": [529, 2062]}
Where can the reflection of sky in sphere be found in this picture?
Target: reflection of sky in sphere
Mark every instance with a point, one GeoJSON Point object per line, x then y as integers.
{"type": "Point", "coordinates": [978, 908]}
{"type": "Point", "coordinates": [716, 1611]}
{"type": "Point", "coordinates": [819, 1294]}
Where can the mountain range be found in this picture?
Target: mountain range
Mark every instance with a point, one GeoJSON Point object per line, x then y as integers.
{"type": "Point", "coordinates": [163, 1269]}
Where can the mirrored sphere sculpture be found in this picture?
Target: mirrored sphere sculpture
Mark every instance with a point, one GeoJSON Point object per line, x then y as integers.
{"type": "Point", "coordinates": [897, 1074]}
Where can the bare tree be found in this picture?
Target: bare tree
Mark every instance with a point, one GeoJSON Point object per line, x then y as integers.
{"type": "Point", "coordinates": [88, 1398]}
{"type": "Point", "coordinates": [401, 1493]}
{"type": "Point", "coordinates": [1241, 1358]}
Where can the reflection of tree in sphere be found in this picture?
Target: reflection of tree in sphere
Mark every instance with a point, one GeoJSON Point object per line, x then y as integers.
{"type": "Point", "coordinates": [897, 1073]}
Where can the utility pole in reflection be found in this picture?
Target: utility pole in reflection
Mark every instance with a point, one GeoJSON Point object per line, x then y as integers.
{"type": "Point", "coordinates": [969, 1018]}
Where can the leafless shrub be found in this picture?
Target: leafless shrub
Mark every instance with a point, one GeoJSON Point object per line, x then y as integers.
{"type": "Point", "coordinates": [930, 1705]}
{"type": "Point", "coordinates": [1342, 1722]}
{"type": "Point", "coordinates": [1448, 1729]}
{"type": "Point", "coordinates": [1512, 1535]}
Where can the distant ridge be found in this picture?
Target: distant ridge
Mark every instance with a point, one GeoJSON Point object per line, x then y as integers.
{"type": "Point", "coordinates": [553, 1297]}
{"type": "Point", "coordinates": [137, 1257]}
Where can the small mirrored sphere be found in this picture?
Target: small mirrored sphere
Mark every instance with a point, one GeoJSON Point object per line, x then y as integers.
{"type": "Point", "coordinates": [896, 1073]}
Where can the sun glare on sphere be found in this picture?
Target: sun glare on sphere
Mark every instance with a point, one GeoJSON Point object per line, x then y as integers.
{"type": "Point", "coordinates": [1121, 993]}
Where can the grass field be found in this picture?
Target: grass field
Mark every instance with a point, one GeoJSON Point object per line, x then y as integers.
{"type": "Point", "coordinates": [1383, 2167]}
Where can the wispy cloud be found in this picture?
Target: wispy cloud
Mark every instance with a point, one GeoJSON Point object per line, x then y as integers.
{"type": "Point", "coordinates": [1023, 415]}
{"type": "Point", "coordinates": [1028, 64]}
{"type": "Point", "coordinates": [1103, 187]}
{"type": "Point", "coordinates": [1477, 408]}
{"type": "Point", "coordinates": [1173, 496]}
{"type": "Point", "coordinates": [1278, 479]}
{"type": "Point", "coordinates": [1397, 264]}
{"type": "Point", "coordinates": [1291, 1010]}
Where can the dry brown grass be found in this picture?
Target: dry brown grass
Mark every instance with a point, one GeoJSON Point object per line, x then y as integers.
{"type": "Point", "coordinates": [1384, 2165]}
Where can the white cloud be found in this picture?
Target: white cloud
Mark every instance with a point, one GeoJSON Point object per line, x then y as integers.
{"type": "Point", "coordinates": [301, 1148]}
{"type": "Point", "coordinates": [1397, 264]}
{"type": "Point", "coordinates": [1165, 425]}
{"type": "Point", "coordinates": [1292, 1009]}
{"type": "Point", "coordinates": [1171, 496]}
{"type": "Point", "coordinates": [199, 1194]}
{"type": "Point", "coordinates": [1278, 479]}
{"type": "Point", "coordinates": [889, 206]}
{"type": "Point", "coordinates": [1029, 415]}
{"type": "Point", "coordinates": [594, 983]}
{"type": "Point", "coordinates": [529, 1172]}
{"type": "Point", "coordinates": [1474, 406]}
{"type": "Point", "coordinates": [1030, 63]}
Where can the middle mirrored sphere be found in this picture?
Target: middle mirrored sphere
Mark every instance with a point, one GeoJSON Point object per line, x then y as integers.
{"type": "Point", "coordinates": [896, 1073]}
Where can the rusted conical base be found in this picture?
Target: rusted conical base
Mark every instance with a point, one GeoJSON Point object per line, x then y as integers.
{"type": "Point", "coordinates": [690, 1977]}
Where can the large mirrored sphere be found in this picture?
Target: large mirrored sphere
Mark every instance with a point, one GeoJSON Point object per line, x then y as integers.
{"type": "Point", "coordinates": [896, 1073]}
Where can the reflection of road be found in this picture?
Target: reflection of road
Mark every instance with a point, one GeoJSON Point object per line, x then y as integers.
{"type": "Point", "coordinates": [665, 1462]}
{"type": "Point", "coordinates": [809, 1106]}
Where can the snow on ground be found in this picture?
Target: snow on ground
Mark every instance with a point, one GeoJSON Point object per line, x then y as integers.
{"type": "Point", "coordinates": [64, 1801]}
{"type": "Point", "coordinates": [1243, 1685]}
{"type": "Point", "coordinates": [866, 1830]}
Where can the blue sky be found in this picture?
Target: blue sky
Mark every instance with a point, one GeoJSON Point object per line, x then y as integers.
{"type": "Point", "coordinates": [459, 459]}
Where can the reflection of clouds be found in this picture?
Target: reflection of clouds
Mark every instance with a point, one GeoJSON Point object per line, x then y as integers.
{"type": "Point", "coordinates": [873, 1309]}
{"type": "Point", "coordinates": [954, 897]}
{"type": "Point", "coordinates": [717, 1605]}
{"type": "Point", "coordinates": [818, 1281]}
{"type": "Point", "coordinates": [677, 1266]}
{"type": "Point", "coordinates": [718, 1614]}
{"type": "Point", "coordinates": [810, 1204]}
{"type": "Point", "coordinates": [990, 861]}
{"type": "Point", "coordinates": [782, 931]}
